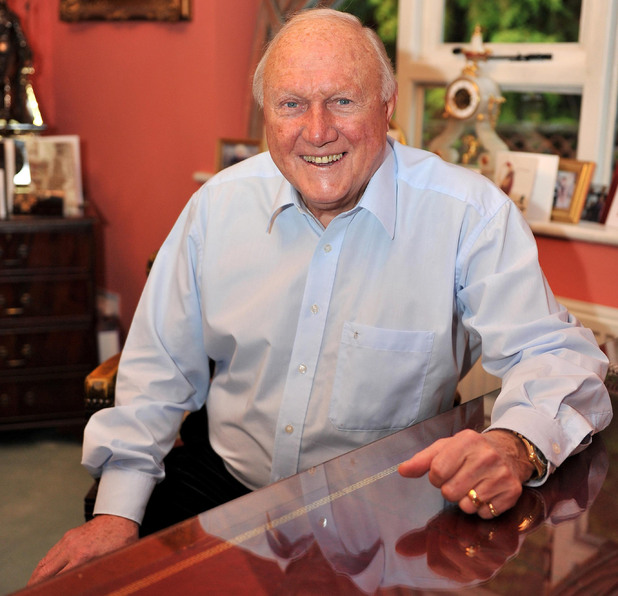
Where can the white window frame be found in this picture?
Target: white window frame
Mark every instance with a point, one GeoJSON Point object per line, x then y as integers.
{"type": "Point", "coordinates": [588, 67]}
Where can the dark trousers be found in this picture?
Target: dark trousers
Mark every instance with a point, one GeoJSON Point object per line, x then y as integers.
{"type": "Point", "coordinates": [196, 479]}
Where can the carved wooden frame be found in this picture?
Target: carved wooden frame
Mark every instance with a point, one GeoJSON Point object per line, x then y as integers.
{"type": "Point", "coordinates": [111, 10]}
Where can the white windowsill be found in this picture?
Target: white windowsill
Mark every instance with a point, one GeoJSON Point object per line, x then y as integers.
{"type": "Point", "coordinates": [584, 231]}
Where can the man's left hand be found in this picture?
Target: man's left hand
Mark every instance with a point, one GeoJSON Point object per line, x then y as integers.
{"type": "Point", "coordinates": [483, 473]}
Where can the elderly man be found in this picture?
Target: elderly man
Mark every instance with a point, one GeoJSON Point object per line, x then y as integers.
{"type": "Point", "coordinates": [342, 284]}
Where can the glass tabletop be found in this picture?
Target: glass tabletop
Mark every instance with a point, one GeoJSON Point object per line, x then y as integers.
{"type": "Point", "coordinates": [353, 525]}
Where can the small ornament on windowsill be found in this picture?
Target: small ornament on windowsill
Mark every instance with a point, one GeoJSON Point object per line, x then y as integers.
{"type": "Point", "coordinates": [472, 105]}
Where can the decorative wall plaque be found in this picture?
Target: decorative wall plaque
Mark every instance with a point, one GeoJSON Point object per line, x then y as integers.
{"type": "Point", "coordinates": [113, 10]}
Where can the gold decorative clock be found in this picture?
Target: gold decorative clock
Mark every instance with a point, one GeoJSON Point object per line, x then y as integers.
{"type": "Point", "coordinates": [471, 106]}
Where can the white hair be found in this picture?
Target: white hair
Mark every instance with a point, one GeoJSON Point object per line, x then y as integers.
{"type": "Point", "coordinates": [388, 82]}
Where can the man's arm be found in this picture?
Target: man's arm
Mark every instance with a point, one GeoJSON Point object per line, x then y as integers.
{"type": "Point", "coordinates": [551, 368]}
{"type": "Point", "coordinates": [101, 535]}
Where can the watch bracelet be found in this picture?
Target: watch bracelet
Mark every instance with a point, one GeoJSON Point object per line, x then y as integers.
{"type": "Point", "coordinates": [534, 456]}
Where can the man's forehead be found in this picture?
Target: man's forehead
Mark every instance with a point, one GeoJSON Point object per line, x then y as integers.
{"type": "Point", "coordinates": [319, 62]}
{"type": "Point", "coordinates": [333, 38]}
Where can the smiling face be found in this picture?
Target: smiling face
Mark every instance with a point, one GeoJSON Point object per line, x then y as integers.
{"type": "Point", "coordinates": [325, 120]}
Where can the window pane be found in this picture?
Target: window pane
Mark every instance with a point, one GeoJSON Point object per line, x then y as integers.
{"type": "Point", "coordinates": [533, 122]}
{"type": "Point", "coordinates": [513, 21]}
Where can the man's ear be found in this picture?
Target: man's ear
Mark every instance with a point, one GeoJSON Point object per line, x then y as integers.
{"type": "Point", "coordinates": [390, 105]}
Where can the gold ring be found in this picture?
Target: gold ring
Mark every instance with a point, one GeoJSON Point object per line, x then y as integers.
{"type": "Point", "coordinates": [474, 498]}
{"type": "Point", "coordinates": [471, 550]}
{"type": "Point", "coordinates": [492, 509]}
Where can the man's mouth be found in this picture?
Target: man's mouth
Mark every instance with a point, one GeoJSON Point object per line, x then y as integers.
{"type": "Point", "coordinates": [322, 159]}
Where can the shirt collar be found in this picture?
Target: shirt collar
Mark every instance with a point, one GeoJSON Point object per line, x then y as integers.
{"type": "Point", "coordinates": [379, 197]}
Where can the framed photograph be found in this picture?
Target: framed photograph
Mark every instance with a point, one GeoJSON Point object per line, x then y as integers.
{"type": "Point", "coordinates": [572, 184]}
{"type": "Point", "coordinates": [611, 195]}
{"type": "Point", "coordinates": [47, 170]}
{"type": "Point", "coordinates": [595, 204]}
{"type": "Point", "coordinates": [113, 10]}
{"type": "Point", "coordinates": [539, 205]}
{"type": "Point", "coordinates": [231, 151]}
{"type": "Point", "coordinates": [514, 175]}
{"type": "Point", "coordinates": [610, 216]}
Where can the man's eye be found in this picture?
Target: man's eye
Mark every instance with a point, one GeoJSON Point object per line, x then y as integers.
{"type": "Point", "coordinates": [291, 104]}
{"type": "Point", "coordinates": [344, 102]}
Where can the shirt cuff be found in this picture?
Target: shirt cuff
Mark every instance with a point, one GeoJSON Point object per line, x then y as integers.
{"type": "Point", "coordinates": [124, 493]}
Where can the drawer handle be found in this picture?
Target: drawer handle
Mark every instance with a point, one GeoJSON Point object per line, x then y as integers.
{"type": "Point", "coordinates": [23, 251]}
{"type": "Point", "coordinates": [26, 352]}
{"type": "Point", "coordinates": [30, 398]}
{"type": "Point", "coordinates": [16, 363]}
{"type": "Point", "coordinates": [15, 311]}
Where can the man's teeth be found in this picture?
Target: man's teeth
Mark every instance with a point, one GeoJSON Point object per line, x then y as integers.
{"type": "Point", "coordinates": [323, 159]}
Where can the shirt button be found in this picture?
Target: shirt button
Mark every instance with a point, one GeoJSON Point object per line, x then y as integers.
{"type": "Point", "coordinates": [556, 448]}
{"type": "Point", "coordinates": [327, 248]}
{"type": "Point", "coordinates": [323, 522]}
{"type": "Point", "coordinates": [315, 309]}
{"type": "Point", "coordinates": [302, 369]}
{"type": "Point", "coordinates": [289, 429]}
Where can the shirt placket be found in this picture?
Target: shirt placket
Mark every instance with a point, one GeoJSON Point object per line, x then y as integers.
{"type": "Point", "coordinates": [306, 349]}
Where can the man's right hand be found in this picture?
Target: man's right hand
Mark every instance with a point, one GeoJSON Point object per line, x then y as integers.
{"type": "Point", "coordinates": [101, 535]}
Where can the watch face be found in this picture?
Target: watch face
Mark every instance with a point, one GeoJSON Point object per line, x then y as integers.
{"type": "Point", "coordinates": [462, 98]}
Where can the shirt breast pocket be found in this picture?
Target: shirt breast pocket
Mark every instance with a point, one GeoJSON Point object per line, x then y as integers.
{"type": "Point", "coordinates": [379, 378]}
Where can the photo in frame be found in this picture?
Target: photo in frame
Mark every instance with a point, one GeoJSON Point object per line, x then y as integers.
{"type": "Point", "coordinates": [47, 176]}
{"type": "Point", "coordinates": [514, 175]}
{"type": "Point", "coordinates": [571, 190]}
{"type": "Point", "coordinates": [594, 206]}
{"type": "Point", "coordinates": [611, 195]}
{"type": "Point", "coordinates": [113, 10]}
{"type": "Point", "coordinates": [611, 218]}
{"type": "Point", "coordinates": [231, 151]}
{"type": "Point", "coordinates": [540, 204]}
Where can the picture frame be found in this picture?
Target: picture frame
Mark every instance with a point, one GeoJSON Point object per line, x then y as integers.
{"type": "Point", "coordinates": [610, 213]}
{"type": "Point", "coordinates": [571, 190]}
{"type": "Point", "coordinates": [47, 174]}
{"type": "Point", "coordinates": [611, 195]}
{"type": "Point", "coordinates": [514, 175]}
{"type": "Point", "coordinates": [612, 216]}
{"type": "Point", "coordinates": [231, 151]}
{"type": "Point", "coordinates": [539, 207]}
{"type": "Point", "coordinates": [112, 10]}
{"type": "Point", "coordinates": [594, 206]}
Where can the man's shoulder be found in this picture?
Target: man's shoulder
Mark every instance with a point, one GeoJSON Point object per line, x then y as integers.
{"type": "Point", "coordinates": [426, 172]}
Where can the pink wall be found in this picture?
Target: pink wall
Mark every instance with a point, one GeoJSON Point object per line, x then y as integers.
{"type": "Point", "coordinates": [150, 100]}
{"type": "Point", "coordinates": [580, 270]}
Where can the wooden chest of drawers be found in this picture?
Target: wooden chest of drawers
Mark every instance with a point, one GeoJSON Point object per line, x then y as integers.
{"type": "Point", "coordinates": [47, 320]}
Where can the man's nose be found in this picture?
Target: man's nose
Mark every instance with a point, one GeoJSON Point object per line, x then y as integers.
{"type": "Point", "coordinates": [319, 126]}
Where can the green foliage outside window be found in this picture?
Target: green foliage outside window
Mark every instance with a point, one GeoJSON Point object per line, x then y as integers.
{"type": "Point", "coordinates": [508, 21]}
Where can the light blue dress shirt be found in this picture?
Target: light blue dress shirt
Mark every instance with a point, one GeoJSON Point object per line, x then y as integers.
{"type": "Point", "coordinates": [326, 339]}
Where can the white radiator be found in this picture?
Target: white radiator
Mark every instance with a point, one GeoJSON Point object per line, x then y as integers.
{"type": "Point", "coordinates": [602, 320]}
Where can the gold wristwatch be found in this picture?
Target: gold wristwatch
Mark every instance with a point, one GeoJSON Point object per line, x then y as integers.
{"type": "Point", "coordinates": [535, 457]}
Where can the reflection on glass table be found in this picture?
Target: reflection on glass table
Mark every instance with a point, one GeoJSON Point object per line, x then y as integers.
{"type": "Point", "coordinates": [353, 525]}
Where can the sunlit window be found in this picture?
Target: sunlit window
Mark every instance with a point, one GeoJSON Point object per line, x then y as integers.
{"type": "Point", "coordinates": [513, 21]}
{"type": "Point", "coordinates": [564, 105]}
